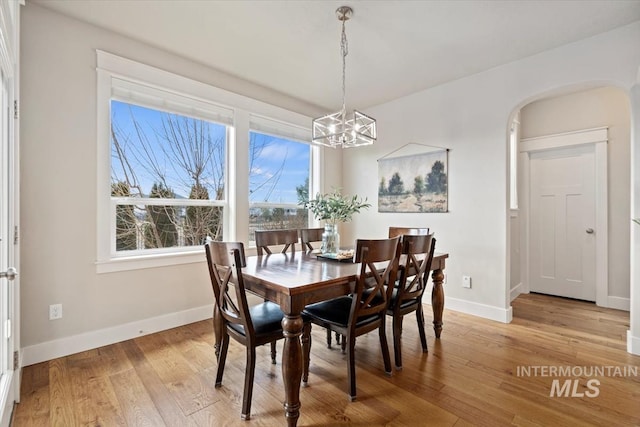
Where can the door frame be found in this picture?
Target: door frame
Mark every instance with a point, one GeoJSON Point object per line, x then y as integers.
{"type": "Point", "coordinates": [598, 137]}
{"type": "Point", "coordinates": [9, 60]}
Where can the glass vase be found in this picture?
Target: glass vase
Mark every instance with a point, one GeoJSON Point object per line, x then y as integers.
{"type": "Point", "coordinates": [330, 240]}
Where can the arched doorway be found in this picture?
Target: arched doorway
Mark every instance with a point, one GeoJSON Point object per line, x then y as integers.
{"type": "Point", "coordinates": [575, 109]}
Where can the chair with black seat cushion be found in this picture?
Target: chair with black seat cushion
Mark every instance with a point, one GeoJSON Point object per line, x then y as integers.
{"type": "Point", "coordinates": [266, 238]}
{"type": "Point", "coordinates": [250, 326]}
{"type": "Point", "coordinates": [364, 310]}
{"type": "Point", "coordinates": [310, 235]}
{"type": "Point", "coordinates": [415, 264]}
{"type": "Point", "coordinates": [415, 231]}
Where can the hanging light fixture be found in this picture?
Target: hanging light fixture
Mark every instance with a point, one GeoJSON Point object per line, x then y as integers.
{"type": "Point", "coordinates": [340, 129]}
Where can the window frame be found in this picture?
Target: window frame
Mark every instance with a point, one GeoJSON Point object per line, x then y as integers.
{"type": "Point", "coordinates": [243, 110]}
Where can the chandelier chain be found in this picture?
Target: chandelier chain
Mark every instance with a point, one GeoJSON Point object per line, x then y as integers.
{"type": "Point", "coordinates": [344, 50]}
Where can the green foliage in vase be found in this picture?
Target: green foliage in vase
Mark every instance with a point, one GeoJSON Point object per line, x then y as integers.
{"type": "Point", "coordinates": [334, 207]}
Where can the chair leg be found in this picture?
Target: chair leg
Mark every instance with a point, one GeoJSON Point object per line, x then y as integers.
{"type": "Point", "coordinates": [423, 337]}
{"type": "Point", "coordinates": [351, 365]}
{"type": "Point", "coordinates": [217, 329]}
{"type": "Point", "coordinates": [338, 338]}
{"type": "Point", "coordinates": [343, 344]}
{"type": "Point", "coordinates": [397, 340]}
{"type": "Point", "coordinates": [385, 347]}
{"type": "Point", "coordinates": [329, 338]}
{"type": "Point", "coordinates": [248, 382]}
{"type": "Point", "coordinates": [273, 352]}
{"type": "Point", "coordinates": [306, 351]}
{"type": "Point", "coordinates": [222, 358]}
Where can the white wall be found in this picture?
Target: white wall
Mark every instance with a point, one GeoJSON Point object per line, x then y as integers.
{"type": "Point", "coordinates": [471, 117]}
{"type": "Point", "coordinates": [606, 106]}
{"type": "Point", "coordinates": [58, 134]}
{"type": "Point", "coordinates": [633, 339]}
{"type": "Point", "coordinates": [515, 267]}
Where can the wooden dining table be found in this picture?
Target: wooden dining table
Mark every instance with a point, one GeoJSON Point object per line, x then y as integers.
{"type": "Point", "coordinates": [294, 280]}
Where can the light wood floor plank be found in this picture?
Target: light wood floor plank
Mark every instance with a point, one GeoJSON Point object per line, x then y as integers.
{"type": "Point", "coordinates": [63, 411]}
{"type": "Point", "coordinates": [137, 406]}
{"type": "Point", "coordinates": [162, 399]}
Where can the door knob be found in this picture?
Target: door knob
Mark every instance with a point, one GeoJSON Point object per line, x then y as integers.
{"type": "Point", "coordinates": [589, 230]}
{"type": "Point", "coordinates": [10, 274]}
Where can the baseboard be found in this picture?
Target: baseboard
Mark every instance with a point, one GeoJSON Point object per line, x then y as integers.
{"type": "Point", "coordinates": [619, 303]}
{"type": "Point", "coordinates": [633, 344]}
{"type": "Point", "coordinates": [74, 344]}
{"type": "Point", "coordinates": [515, 291]}
{"type": "Point", "coordinates": [481, 310]}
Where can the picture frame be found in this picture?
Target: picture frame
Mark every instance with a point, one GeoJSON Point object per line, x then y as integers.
{"type": "Point", "coordinates": [416, 183]}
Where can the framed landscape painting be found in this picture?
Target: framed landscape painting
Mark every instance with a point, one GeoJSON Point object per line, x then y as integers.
{"type": "Point", "coordinates": [413, 183]}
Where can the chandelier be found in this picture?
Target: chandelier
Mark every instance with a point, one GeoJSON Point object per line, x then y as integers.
{"type": "Point", "coordinates": [339, 128]}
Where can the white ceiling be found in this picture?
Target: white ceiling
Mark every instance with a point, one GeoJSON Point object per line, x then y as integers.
{"type": "Point", "coordinates": [395, 47]}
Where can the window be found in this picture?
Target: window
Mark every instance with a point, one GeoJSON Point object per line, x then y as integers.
{"type": "Point", "coordinates": [172, 165]}
{"type": "Point", "coordinates": [167, 179]}
{"type": "Point", "coordinates": [278, 177]}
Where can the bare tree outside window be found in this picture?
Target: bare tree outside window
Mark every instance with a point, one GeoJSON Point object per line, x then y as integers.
{"type": "Point", "coordinates": [160, 155]}
{"type": "Point", "coordinates": [278, 171]}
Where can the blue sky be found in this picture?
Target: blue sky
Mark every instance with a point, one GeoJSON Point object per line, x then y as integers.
{"type": "Point", "coordinates": [279, 166]}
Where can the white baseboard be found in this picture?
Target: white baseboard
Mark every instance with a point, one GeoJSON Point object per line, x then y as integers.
{"type": "Point", "coordinates": [633, 343]}
{"type": "Point", "coordinates": [515, 291]}
{"type": "Point", "coordinates": [481, 310]}
{"type": "Point", "coordinates": [74, 344]}
{"type": "Point", "coordinates": [619, 303]}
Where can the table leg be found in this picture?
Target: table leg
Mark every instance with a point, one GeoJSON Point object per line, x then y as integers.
{"type": "Point", "coordinates": [437, 300]}
{"type": "Point", "coordinates": [292, 366]}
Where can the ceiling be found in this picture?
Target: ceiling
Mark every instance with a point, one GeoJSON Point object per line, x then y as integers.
{"type": "Point", "coordinates": [395, 47]}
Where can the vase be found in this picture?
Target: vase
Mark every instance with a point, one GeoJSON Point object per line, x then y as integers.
{"type": "Point", "coordinates": [330, 240]}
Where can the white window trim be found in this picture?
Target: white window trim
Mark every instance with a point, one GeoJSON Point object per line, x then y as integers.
{"type": "Point", "coordinates": [111, 66]}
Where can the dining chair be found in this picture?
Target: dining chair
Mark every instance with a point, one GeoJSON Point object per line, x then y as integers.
{"type": "Point", "coordinates": [416, 258]}
{"type": "Point", "coordinates": [364, 310]}
{"type": "Point", "coordinates": [310, 235]}
{"type": "Point", "coordinates": [251, 326]}
{"type": "Point", "coordinates": [399, 231]}
{"type": "Point", "coordinates": [266, 238]}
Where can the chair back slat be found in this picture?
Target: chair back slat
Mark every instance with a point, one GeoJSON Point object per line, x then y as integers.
{"type": "Point", "coordinates": [225, 261]}
{"type": "Point", "coordinates": [266, 238]}
{"type": "Point", "coordinates": [417, 251]}
{"type": "Point", "coordinates": [378, 265]}
{"type": "Point", "coordinates": [414, 231]}
{"type": "Point", "coordinates": [309, 235]}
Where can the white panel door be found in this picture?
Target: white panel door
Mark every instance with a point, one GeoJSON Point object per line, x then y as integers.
{"type": "Point", "coordinates": [562, 233]}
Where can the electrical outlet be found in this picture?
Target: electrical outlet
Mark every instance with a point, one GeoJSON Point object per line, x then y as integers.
{"type": "Point", "coordinates": [55, 311]}
{"type": "Point", "coordinates": [466, 281]}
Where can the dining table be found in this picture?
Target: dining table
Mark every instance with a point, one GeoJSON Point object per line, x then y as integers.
{"type": "Point", "coordinates": [294, 280]}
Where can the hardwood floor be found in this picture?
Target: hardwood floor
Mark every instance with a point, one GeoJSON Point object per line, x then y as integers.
{"type": "Point", "coordinates": [469, 377]}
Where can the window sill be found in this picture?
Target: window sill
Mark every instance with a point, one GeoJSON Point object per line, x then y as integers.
{"type": "Point", "coordinates": [149, 261]}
